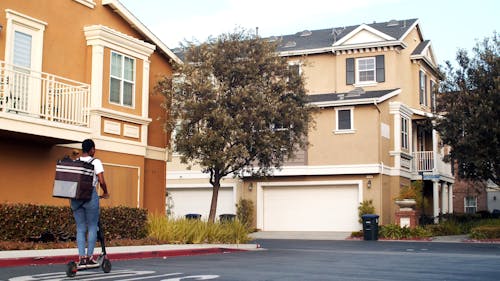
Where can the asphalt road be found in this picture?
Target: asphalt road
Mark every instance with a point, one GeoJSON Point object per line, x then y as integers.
{"type": "Point", "coordinates": [302, 260]}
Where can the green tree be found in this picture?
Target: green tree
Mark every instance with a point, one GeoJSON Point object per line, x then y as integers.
{"type": "Point", "coordinates": [235, 107]}
{"type": "Point", "coordinates": [469, 105]}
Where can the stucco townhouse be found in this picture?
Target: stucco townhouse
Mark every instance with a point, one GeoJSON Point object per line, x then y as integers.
{"type": "Point", "coordinates": [373, 84]}
{"type": "Point", "coordinates": [77, 69]}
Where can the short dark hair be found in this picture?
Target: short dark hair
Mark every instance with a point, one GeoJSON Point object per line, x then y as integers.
{"type": "Point", "coordinates": [87, 145]}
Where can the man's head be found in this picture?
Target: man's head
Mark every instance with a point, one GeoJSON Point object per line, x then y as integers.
{"type": "Point", "coordinates": [88, 146]}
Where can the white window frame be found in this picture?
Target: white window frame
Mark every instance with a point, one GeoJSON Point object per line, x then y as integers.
{"type": "Point", "coordinates": [337, 120]}
{"type": "Point", "coordinates": [422, 87]}
{"type": "Point", "coordinates": [405, 133]}
{"type": "Point", "coordinates": [358, 70]}
{"type": "Point", "coordinates": [468, 204]}
{"type": "Point", "coordinates": [122, 79]}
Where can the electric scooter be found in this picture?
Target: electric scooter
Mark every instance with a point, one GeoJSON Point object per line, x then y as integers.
{"type": "Point", "coordinates": [102, 261]}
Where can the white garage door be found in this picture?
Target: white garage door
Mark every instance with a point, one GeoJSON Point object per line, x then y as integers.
{"type": "Point", "coordinates": [197, 200]}
{"type": "Point", "coordinates": [311, 208]}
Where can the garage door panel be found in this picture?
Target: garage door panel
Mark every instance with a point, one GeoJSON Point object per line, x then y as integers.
{"type": "Point", "coordinates": [197, 200]}
{"type": "Point", "coordinates": [310, 208]}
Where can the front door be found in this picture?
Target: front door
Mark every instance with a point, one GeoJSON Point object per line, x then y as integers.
{"type": "Point", "coordinates": [23, 55]}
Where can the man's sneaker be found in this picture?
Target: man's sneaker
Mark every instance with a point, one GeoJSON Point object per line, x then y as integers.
{"type": "Point", "coordinates": [91, 262]}
{"type": "Point", "coordinates": [82, 262]}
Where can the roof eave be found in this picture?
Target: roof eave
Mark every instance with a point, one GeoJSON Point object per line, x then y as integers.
{"type": "Point", "coordinates": [370, 45]}
{"type": "Point", "coordinates": [357, 101]}
{"type": "Point", "coordinates": [305, 52]}
{"type": "Point", "coordinates": [140, 27]}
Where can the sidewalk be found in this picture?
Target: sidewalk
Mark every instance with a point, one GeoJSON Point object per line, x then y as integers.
{"type": "Point", "coordinates": [61, 256]}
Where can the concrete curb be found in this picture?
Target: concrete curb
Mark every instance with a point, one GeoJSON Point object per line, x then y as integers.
{"type": "Point", "coordinates": [62, 256]}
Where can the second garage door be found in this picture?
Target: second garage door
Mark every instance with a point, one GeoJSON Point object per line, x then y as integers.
{"type": "Point", "coordinates": [197, 200]}
{"type": "Point", "coordinates": [310, 208]}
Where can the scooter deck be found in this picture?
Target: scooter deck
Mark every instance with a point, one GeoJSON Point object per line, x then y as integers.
{"type": "Point", "coordinates": [87, 266]}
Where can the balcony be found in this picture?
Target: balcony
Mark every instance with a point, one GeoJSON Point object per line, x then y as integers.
{"type": "Point", "coordinates": [39, 103]}
{"type": "Point", "coordinates": [423, 161]}
{"type": "Point", "coordinates": [43, 95]}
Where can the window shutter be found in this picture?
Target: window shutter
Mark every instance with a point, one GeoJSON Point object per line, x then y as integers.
{"type": "Point", "coordinates": [349, 71]}
{"type": "Point", "coordinates": [380, 67]}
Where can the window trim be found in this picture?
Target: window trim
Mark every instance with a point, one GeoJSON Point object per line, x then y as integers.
{"type": "Point", "coordinates": [351, 130]}
{"type": "Point", "coordinates": [122, 79]}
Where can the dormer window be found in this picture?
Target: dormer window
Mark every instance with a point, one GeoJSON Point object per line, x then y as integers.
{"type": "Point", "coordinates": [366, 70]}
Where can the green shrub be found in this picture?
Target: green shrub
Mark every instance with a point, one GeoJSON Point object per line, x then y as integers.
{"type": "Point", "coordinates": [390, 231]}
{"type": "Point", "coordinates": [28, 222]}
{"type": "Point", "coordinates": [450, 227]}
{"type": "Point", "coordinates": [365, 207]}
{"type": "Point", "coordinates": [394, 231]}
{"type": "Point", "coordinates": [184, 231]}
{"type": "Point", "coordinates": [244, 212]}
{"type": "Point", "coordinates": [485, 232]}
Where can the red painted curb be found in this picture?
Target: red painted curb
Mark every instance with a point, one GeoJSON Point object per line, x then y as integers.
{"type": "Point", "coordinates": [9, 262]}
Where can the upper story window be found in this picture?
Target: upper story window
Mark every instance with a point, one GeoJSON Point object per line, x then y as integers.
{"type": "Point", "coordinates": [423, 88]}
{"type": "Point", "coordinates": [432, 87]}
{"type": "Point", "coordinates": [405, 133]}
{"type": "Point", "coordinates": [122, 80]}
{"type": "Point", "coordinates": [345, 120]}
{"type": "Point", "coordinates": [366, 70]}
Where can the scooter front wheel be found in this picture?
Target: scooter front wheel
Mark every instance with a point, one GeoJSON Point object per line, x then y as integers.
{"type": "Point", "coordinates": [106, 265]}
{"type": "Point", "coordinates": [71, 269]}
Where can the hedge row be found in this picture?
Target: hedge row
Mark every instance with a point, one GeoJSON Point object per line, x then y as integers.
{"type": "Point", "coordinates": [39, 223]}
{"type": "Point", "coordinates": [485, 232]}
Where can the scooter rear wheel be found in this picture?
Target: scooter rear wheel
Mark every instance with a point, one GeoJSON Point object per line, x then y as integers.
{"type": "Point", "coordinates": [106, 266]}
{"type": "Point", "coordinates": [71, 269]}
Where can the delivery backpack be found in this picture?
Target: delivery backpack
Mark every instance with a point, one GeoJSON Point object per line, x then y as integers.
{"type": "Point", "coordinates": [74, 179]}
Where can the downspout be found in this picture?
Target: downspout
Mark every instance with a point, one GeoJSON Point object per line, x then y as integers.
{"type": "Point", "coordinates": [381, 171]}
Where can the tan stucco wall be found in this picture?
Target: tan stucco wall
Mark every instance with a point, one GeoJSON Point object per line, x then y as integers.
{"type": "Point", "coordinates": [66, 54]}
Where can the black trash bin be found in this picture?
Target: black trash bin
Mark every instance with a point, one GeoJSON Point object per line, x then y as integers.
{"type": "Point", "coordinates": [193, 216]}
{"type": "Point", "coordinates": [370, 226]}
{"type": "Point", "coordinates": [226, 217]}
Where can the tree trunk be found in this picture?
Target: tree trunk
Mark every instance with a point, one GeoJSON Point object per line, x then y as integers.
{"type": "Point", "coordinates": [213, 204]}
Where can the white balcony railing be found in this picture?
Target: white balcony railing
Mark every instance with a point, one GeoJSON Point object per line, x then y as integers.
{"type": "Point", "coordinates": [42, 95]}
{"type": "Point", "coordinates": [423, 161]}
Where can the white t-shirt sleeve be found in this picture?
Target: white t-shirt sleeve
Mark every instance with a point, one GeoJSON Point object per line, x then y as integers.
{"type": "Point", "coordinates": [98, 167]}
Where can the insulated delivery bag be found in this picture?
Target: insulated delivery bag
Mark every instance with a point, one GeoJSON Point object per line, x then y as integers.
{"type": "Point", "coordinates": [74, 179]}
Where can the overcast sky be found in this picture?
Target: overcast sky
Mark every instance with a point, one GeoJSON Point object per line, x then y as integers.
{"type": "Point", "coordinates": [449, 24]}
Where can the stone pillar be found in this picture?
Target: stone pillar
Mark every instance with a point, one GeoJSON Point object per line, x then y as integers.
{"type": "Point", "coordinates": [406, 218]}
{"type": "Point", "coordinates": [435, 201]}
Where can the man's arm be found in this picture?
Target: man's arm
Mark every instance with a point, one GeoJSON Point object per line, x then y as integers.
{"type": "Point", "coordinates": [102, 184]}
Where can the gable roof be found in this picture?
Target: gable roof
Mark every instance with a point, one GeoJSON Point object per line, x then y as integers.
{"type": "Point", "coordinates": [326, 40]}
{"type": "Point", "coordinates": [140, 27]}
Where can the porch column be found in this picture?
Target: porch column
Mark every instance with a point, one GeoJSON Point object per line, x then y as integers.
{"type": "Point", "coordinates": [435, 200]}
{"type": "Point", "coordinates": [450, 198]}
{"type": "Point", "coordinates": [444, 198]}
{"type": "Point", "coordinates": [435, 155]}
